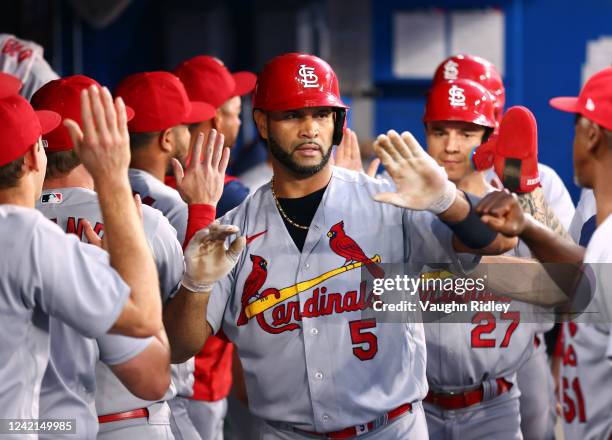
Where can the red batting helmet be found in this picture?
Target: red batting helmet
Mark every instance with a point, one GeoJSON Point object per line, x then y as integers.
{"type": "Point", "coordinates": [460, 100]}
{"type": "Point", "coordinates": [477, 69]}
{"type": "Point", "coordinates": [293, 81]}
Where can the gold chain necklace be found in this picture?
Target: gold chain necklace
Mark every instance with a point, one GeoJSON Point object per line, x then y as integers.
{"type": "Point", "coordinates": [280, 209]}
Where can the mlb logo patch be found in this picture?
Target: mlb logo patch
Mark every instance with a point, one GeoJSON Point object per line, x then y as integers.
{"type": "Point", "coordinates": [51, 198]}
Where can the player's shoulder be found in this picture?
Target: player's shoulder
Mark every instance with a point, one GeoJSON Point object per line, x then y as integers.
{"type": "Point", "coordinates": [150, 187]}
{"type": "Point", "coordinates": [598, 249]}
{"type": "Point", "coordinates": [548, 176]}
{"type": "Point", "coordinates": [25, 218]}
{"type": "Point", "coordinates": [30, 225]}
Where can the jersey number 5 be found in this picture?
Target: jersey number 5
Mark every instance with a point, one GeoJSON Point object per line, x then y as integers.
{"type": "Point", "coordinates": [486, 326]}
{"type": "Point", "coordinates": [365, 342]}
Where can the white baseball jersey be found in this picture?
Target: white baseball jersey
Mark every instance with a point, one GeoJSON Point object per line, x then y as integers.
{"type": "Point", "coordinates": [587, 352]}
{"type": "Point", "coordinates": [309, 358]}
{"type": "Point", "coordinates": [44, 273]}
{"type": "Point", "coordinates": [167, 200]}
{"type": "Point", "coordinates": [585, 209]}
{"type": "Point", "coordinates": [161, 197]}
{"type": "Point", "coordinates": [24, 59]}
{"type": "Point", "coordinates": [556, 195]}
{"type": "Point", "coordinates": [69, 385]}
{"type": "Point", "coordinates": [493, 345]}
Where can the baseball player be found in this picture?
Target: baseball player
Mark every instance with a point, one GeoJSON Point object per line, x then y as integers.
{"type": "Point", "coordinates": [25, 60]}
{"type": "Point", "coordinates": [485, 73]}
{"type": "Point", "coordinates": [586, 367]}
{"type": "Point", "coordinates": [458, 115]}
{"type": "Point", "coordinates": [74, 283]}
{"type": "Point", "coordinates": [160, 139]}
{"type": "Point", "coordinates": [69, 200]}
{"type": "Point", "coordinates": [207, 79]}
{"type": "Point", "coordinates": [320, 370]}
{"type": "Point", "coordinates": [537, 407]}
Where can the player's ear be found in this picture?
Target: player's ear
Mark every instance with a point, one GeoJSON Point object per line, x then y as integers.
{"type": "Point", "coordinates": [33, 158]}
{"type": "Point", "coordinates": [167, 140]}
{"type": "Point", "coordinates": [216, 121]}
{"type": "Point", "coordinates": [595, 137]}
{"type": "Point", "coordinates": [261, 121]}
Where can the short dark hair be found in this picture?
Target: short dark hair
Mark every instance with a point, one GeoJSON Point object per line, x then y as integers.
{"type": "Point", "coordinates": [11, 173]}
{"type": "Point", "coordinates": [142, 139]}
{"type": "Point", "coordinates": [61, 163]}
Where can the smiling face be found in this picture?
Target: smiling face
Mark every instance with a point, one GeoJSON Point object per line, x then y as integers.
{"type": "Point", "coordinates": [450, 144]}
{"type": "Point", "coordinates": [300, 140]}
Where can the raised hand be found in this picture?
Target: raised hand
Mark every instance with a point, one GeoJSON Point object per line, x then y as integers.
{"type": "Point", "coordinates": [207, 260]}
{"type": "Point", "coordinates": [203, 179]}
{"type": "Point", "coordinates": [348, 155]}
{"type": "Point", "coordinates": [421, 183]}
{"type": "Point", "coordinates": [103, 145]}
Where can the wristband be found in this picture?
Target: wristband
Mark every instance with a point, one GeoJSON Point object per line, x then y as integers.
{"type": "Point", "coordinates": [471, 230]}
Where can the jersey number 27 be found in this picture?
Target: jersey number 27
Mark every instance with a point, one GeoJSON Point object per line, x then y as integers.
{"type": "Point", "coordinates": [486, 325]}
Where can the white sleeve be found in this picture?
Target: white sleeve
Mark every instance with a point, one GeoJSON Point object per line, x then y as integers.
{"type": "Point", "coordinates": [556, 195]}
{"type": "Point", "coordinates": [117, 349]}
{"type": "Point", "coordinates": [73, 281]}
{"type": "Point", "coordinates": [167, 252]}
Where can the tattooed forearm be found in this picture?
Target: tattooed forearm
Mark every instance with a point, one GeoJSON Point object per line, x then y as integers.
{"type": "Point", "coordinates": [533, 203]}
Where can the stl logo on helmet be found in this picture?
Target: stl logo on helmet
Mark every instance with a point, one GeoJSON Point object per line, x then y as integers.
{"type": "Point", "coordinates": [451, 70]}
{"type": "Point", "coordinates": [309, 78]}
{"type": "Point", "coordinates": [456, 96]}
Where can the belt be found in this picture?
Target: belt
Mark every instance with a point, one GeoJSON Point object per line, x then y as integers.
{"type": "Point", "coordinates": [464, 399]}
{"type": "Point", "coordinates": [133, 414]}
{"type": "Point", "coordinates": [354, 431]}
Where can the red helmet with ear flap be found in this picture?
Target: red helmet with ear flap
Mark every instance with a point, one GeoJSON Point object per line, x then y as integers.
{"type": "Point", "coordinates": [477, 69]}
{"type": "Point", "coordinates": [460, 100]}
{"type": "Point", "coordinates": [294, 81]}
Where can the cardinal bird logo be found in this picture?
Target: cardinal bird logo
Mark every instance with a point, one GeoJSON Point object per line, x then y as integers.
{"type": "Point", "coordinates": [253, 283]}
{"type": "Point", "coordinates": [347, 248]}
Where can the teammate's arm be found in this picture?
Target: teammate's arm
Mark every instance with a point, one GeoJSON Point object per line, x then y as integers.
{"type": "Point", "coordinates": [207, 260]}
{"type": "Point", "coordinates": [185, 321]}
{"type": "Point", "coordinates": [103, 147]}
{"type": "Point", "coordinates": [147, 375]}
{"type": "Point", "coordinates": [502, 213]}
{"type": "Point", "coordinates": [422, 185]}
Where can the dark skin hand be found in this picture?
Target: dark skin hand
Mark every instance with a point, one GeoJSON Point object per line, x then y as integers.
{"type": "Point", "coordinates": [502, 213]}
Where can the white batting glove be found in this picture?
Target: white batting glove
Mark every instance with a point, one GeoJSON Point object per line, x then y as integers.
{"type": "Point", "coordinates": [207, 259]}
{"type": "Point", "coordinates": [421, 183]}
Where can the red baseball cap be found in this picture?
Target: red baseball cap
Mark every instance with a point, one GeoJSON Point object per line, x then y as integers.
{"type": "Point", "coordinates": [9, 85]}
{"type": "Point", "coordinates": [21, 127]}
{"type": "Point", "coordinates": [207, 79]}
{"type": "Point", "coordinates": [63, 96]}
{"type": "Point", "coordinates": [594, 101]}
{"type": "Point", "coordinates": [160, 101]}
